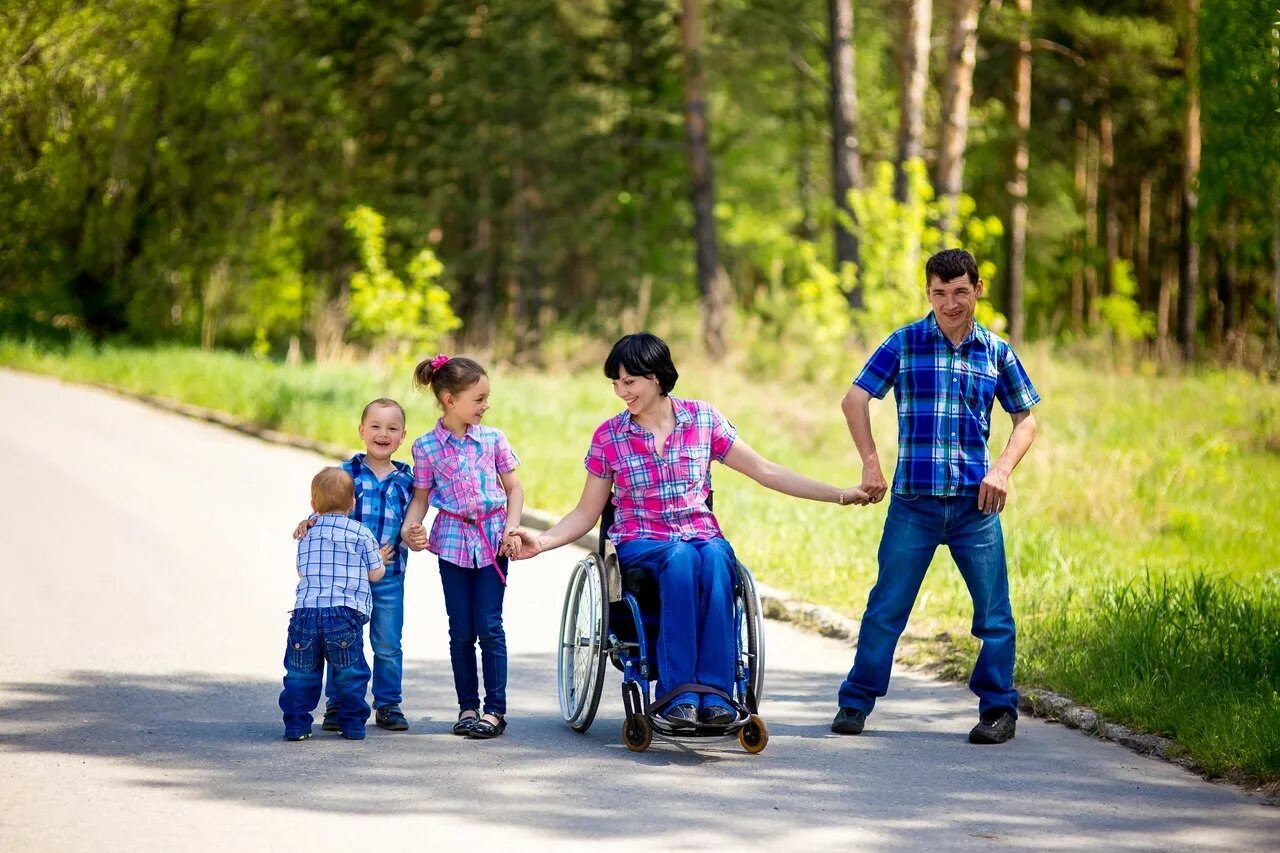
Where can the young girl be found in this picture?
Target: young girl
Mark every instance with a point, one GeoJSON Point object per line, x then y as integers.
{"type": "Point", "coordinates": [467, 471]}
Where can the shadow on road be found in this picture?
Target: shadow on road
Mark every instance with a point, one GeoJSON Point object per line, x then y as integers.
{"type": "Point", "coordinates": [216, 738]}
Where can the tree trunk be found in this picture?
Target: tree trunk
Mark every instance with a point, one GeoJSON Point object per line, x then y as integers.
{"type": "Point", "coordinates": [1112, 210]}
{"type": "Point", "coordinates": [1018, 183]}
{"type": "Point", "coordinates": [711, 285]}
{"type": "Point", "coordinates": [1144, 244]}
{"type": "Point", "coordinates": [1082, 183]}
{"type": "Point", "coordinates": [527, 275]}
{"type": "Point", "coordinates": [917, 19]}
{"type": "Point", "coordinates": [846, 168]}
{"type": "Point", "coordinates": [807, 229]}
{"type": "Point", "coordinates": [1091, 231]}
{"type": "Point", "coordinates": [1188, 242]}
{"type": "Point", "coordinates": [957, 92]}
{"type": "Point", "coordinates": [1168, 277]}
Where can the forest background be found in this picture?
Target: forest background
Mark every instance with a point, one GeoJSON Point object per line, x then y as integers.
{"type": "Point", "coordinates": [272, 206]}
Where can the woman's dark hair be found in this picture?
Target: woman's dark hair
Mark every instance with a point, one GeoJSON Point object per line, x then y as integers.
{"type": "Point", "coordinates": [643, 354]}
{"type": "Point", "coordinates": [451, 375]}
{"type": "Point", "coordinates": [950, 264]}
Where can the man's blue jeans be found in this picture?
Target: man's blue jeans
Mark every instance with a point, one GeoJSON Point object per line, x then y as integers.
{"type": "Point", "coordinates": [696, 644]}
{"type": "Point", "coordinates": [386, 629]}
{"type": "Point", "coordinates": [915, 526]}
{"type": "Point", "coordinates": [473, 600]}
{"type": "Point", "coordinates": [316, 635]}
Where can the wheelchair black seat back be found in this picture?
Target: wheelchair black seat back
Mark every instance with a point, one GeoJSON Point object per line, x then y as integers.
{"type": "Point", "coordinates": [611, 614]}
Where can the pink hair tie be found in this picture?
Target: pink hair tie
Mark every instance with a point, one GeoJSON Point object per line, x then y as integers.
{"type": "Point", "coordinates": [439, 361]}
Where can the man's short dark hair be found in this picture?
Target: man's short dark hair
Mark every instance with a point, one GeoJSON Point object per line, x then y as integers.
{"type": "Point", "coordinates": [951, 264]}
{"type": "Point", "coordinates": [643, 354]}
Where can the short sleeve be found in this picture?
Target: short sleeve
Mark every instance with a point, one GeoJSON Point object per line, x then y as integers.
{"type": "Point", "coordinates": [423, 474]}
{"type": "Point", "coordinates": [597, 461]}
{"type": "Point", "coordinates": [503, 456]}
{"type": "Point", "coordinates": [370, 546]}
{"type": "Point", "coordinates": [723, 434]}
{"type": "Point", "coordinates": [881, 370]}
{"type": "Point", "coordinates": [1013, 385]}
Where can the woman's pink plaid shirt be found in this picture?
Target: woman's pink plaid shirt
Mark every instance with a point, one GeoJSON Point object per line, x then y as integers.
{"type": "Point", "coordinates": [662, 495]}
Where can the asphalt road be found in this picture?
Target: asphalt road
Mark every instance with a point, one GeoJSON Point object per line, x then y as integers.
{"type": "Point", "coordinates": [147, 572]}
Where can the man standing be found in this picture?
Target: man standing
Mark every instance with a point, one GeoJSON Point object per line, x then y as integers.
{"type": "Point", "coordinates": [945, 372]}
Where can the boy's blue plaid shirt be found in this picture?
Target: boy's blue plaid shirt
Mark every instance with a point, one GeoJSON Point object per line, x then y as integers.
{"type": "Point", "coordinates": [944, 396]}
{"type": "Point", "coordinates": [381, 505]}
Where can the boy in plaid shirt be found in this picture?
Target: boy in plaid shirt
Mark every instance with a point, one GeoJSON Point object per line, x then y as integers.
{"type": "Point", "coordinates": [383, 490]}
{"type": "Point", "coordinates": [336, 561]}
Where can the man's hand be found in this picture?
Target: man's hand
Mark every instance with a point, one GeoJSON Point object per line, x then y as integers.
{"type": "Point", "coordinates": [873, 483]}
{"type": "Point", "coordinates": [387, 553]}
{"type": "Point", "coordinates": [303, 526]}
{"type": "Point", "coordinates": [993, 491]}
{"type": "Point", "coordinates": [417, 538]}
{"type": "Point", "coordinates": [522, 544]}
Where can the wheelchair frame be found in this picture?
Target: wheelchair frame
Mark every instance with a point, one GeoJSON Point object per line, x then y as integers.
{"type": "Point", "coordinates": [587, 643]}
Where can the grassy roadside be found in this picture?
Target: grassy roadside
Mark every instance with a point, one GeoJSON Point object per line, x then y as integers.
{"type": "Point", "coordinates": [1146, 571]}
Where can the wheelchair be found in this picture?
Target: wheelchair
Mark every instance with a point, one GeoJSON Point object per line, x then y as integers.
{"type": "Point", "coordinates": [611, 615]}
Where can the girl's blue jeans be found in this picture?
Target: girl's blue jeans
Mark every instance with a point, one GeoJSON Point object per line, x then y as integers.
{"type": "Point", "coordinates": [386, 630]}
{"type": "Point", "coordinates": [696, 644]}
{"type": "Point", "coordinates": [913, 529]}
{"type": "Point", "coordinates": [473, 600]}
{"type": "Point", "coordinates": [317, 635]}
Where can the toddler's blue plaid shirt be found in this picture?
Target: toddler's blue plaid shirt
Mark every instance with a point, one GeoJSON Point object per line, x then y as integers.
{"type": "Point", "coordinates": [944, 396]}
{"type": "Point", "coordinates": [334, 561]}
{"type": "Point", "coordinates": [381, 505]}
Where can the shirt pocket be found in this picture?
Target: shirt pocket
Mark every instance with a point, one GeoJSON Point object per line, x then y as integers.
{"type": "Point", "coordinates": [978, 385]}
{"type": "Point", "coordinates": [636, 474]}
{"type": "Point", "coordinates": [693, 464]}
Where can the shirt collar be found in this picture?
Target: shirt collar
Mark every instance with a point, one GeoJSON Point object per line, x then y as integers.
{"type": "Point", "coordinates": [678, 408]}
{"type": "Point", "coordinates": [443, 435]}
{"type": "Point", "coordinates": [975, 333]}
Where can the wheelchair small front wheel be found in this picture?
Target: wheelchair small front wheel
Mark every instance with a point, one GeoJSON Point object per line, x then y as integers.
{"type": "Point", "coordinates": [754, 736]}
{"type": "Point", "coordinates": [637, 732]}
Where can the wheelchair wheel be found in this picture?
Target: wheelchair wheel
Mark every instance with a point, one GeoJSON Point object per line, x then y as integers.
{"type": "Point", "coordinates": [754, 736]}
{"type": "Point", "coordinates": [584, 629]}
{"type": "Point", "coordinates": [637, 732]}
{"type": "Point", "coordinates": [751, 639]}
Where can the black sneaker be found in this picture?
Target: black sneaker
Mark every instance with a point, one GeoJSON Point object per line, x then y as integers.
{"type": "Point", "coordinates": [330, 723]}
{"type": "Point", "coordinates": [849, 721]}
{"type": "Point", "coordinates": [389, 717]}
{"type": "Point", "coordinates": [997, 726]}
{"type": "Point", "coordinates": [683, 716]}
{"type": "Point", "coordinates": [717, 715]}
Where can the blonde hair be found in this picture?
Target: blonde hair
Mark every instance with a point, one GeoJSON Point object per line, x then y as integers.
{"type": "Point", "coordinates": [332, 490]}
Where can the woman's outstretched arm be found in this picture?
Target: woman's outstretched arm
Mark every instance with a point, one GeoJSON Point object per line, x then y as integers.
{"type": "Point", "coordinates": [745, 460]}
{"type": "Point", "coordinates": [571, 528]}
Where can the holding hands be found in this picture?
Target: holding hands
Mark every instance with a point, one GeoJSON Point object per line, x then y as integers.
{"type": "Point", "coordinates": [521, 544]}
{"type": "Point", "coordinates": [415, 536]}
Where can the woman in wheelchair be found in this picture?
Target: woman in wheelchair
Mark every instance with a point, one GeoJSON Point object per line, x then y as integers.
{"type": "Point", "coordinates": [654, 457]}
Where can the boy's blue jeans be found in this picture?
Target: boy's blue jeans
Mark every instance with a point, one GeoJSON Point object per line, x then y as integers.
{"type": "Point", "coordinates": [386, 630]}
{"type": "Point", "coordinates": [913, 529]}
{"type": "Point", "coordinates": [316, 635]}
{"type": "Point", "coordinates": [473, 600]}
{"type": "Point", "coordinates": [695, 630]}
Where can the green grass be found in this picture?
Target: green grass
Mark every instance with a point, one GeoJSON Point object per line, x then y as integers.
{"type": "Point", "coordinates": [1144, 564]}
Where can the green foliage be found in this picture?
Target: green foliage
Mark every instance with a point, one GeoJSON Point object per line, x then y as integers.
{"type": "Point", "coordinates": [1119, 310]}
{"type": "Point", "coordinates": [401, 316]}
{"type": "Point", "coordinates": [895, 238]}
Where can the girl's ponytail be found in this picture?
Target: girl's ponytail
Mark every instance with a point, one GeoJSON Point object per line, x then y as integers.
{"type": "Point", "coordinates": [447, 374]}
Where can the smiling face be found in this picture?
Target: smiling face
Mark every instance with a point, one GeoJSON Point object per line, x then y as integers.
{"type": "Point", "coordinates": [382, 430]}
{"type": "Point", "coordinates": [638, 392]}
{"type": "Point", "coordinates": [468, 406]}
{"type": "Point", "coordinates": [954, 303]}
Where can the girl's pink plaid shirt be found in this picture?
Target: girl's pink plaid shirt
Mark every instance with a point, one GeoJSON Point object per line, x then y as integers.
{"type": "Point", "coordinates": [662, 495]}
{"type": "Point", "coordinates": [462, 475]}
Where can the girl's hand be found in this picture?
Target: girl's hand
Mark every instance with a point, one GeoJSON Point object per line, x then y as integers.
{"type": "Point", "coordinates": [854, 496]}
{"type": "Point", "coordinates": [303, 526]}
{"type": "Point", "coordinates": [417, 538]}
{"type": "Point", "coordinates": [522, 544]}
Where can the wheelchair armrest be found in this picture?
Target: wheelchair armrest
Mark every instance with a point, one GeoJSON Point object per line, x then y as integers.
{"type": "Point", "coordinates": [612, 573]}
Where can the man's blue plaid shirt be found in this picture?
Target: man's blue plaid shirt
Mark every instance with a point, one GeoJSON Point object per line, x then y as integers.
{"type": "Point", "coordinates": [381, 505]}
{"type": "Point", "coordinates": [944, 395]}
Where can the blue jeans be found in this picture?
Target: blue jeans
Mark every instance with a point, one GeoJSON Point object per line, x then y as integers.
{"type": "Point", "coordinates": [913, 529]}
{"type": "Point", "coordinates": [386, 628]}
{"type": "Point", "coordinates": [473, 600]}
{"type": "Point", "coordinates": [696, 644]}
{"type": "Point", "coordinates": [316, 635]}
